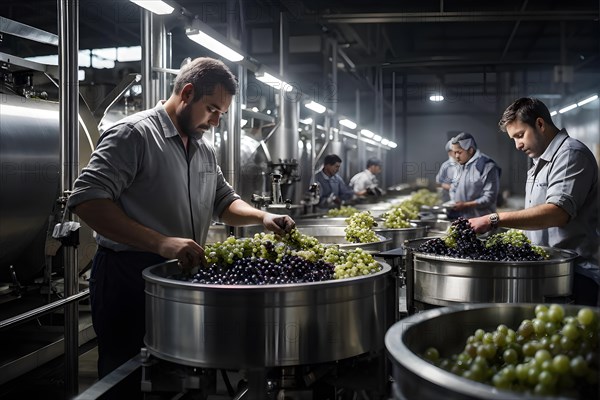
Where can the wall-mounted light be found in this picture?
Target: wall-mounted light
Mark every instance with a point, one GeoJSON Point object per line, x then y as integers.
{"type": "Point", "coordinates": [158, 7]}
{"type": "Point", "coordinates": [205, 36]}
{"type": "Point", "coordinates": [274, 82]}
{"type": "Point", "coordinates": [316, 107]}
{"type": "Point", "coordinates": [436, 98]}
{"type": "Point", "coordinates": [347, 123]}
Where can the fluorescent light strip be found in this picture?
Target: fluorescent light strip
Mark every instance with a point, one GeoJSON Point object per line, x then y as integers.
{"type": "Point", "coordinates": [436, 98]}
{"type": "Point", "coordinates": [367, 133]}
{"type": "Point", "coordinates": [567, 108]}
{"type": "Point", "coordinates": [588, 100]}
{"type": "Point", "coordinates": [348, 124]}
{"type": "Point", "coordinates": [158, 7]}
{"type": "Point", "coordinates": [553, 113]}
{"type": "Point", "coordinates": [350, 135]}
{"type": "Point", "coordinates": [276, 83]}
{"type": "Point", "coordinates": [214, 45]}
{"type": "Point", "coordinates": [377, 138]}
{"type": "Point", "coordinates": [316, 107]}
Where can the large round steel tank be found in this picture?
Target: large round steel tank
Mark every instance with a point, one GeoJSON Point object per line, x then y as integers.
{"type": "Point", "coordinates": [447, 329]}
{"type": "Point", "coordinates": [440, 280]}
{"type": "Point", "coordinates": [400, 235]}
{"type": "Point", "coordinates": [30, 180]}
{"type": "Point", "coordinates": [258, 326]}
{"type": "Point", "coordinates": [29, 172]}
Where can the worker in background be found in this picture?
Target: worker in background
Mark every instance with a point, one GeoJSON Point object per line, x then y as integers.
{"type": "Point", "coordinates": [475, 189]}
{"type": "Point", "coordinates": [333, 189]}
{"type": "Point", "coordinates": [448, 171]}
{"type": "Point", "coordinates": [150, 191]}
{"type": "Point", "coordinates": [561, 193]}
{"type": "Point", "coordinates": [365, 182]}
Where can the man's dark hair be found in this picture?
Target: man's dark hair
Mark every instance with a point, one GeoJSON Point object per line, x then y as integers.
{"type": "Point", "coordinates": [373, 161]}
{"type": "Point", "coordinates": [331, 159]}
{"type": "Point", "coordinates": [205, 74]}
{"type": "Point", "coordinates": [526, 110]}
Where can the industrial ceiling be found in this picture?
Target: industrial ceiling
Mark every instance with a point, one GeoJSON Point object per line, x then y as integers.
{"type": "Point", "coordinates": [402, 50]}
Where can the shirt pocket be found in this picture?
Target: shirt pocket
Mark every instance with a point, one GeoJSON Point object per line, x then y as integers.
{"type": "Point", "coordinates": [206, 178]}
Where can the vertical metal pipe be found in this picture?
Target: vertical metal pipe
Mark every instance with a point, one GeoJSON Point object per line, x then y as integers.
{"type": "Point", "coordinates": [146, 34]}
{"type": "Point", "coordinates": [68, 25]}
{"type": "Point", "coordinates": [334, 78]}
{"type": "Point", "coordinates": [360, 144]}
{"type": "Point", "coordinates": [393, 132]}
{"type": "Point", "coordinates": [159, 59]}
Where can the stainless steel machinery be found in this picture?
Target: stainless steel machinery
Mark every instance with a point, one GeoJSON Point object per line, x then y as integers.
{"type": "Point", "coordinates": [440, 280]}
{"type": "Point", "coordinates": [266, 329]}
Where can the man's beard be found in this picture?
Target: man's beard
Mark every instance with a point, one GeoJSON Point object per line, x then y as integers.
{"type": "Point", "coordinates": [191, 131]}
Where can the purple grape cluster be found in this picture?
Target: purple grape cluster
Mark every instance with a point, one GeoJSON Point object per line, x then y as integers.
{"type": "Point", "coordinates": [260, 271]}
{"type": "Point", "coordinates": [462, 242]}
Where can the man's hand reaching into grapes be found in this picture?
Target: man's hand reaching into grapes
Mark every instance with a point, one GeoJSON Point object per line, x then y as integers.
{"type": "Point", "coordinates": [481, 224]}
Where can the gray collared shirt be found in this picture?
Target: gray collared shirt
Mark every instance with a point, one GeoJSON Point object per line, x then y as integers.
{"type": "Point", "coordinates": [478, 180]}
{"type": "Point", "coordinates": [141, 164]}
{"type": "Point", "coordinates": [566, 175]}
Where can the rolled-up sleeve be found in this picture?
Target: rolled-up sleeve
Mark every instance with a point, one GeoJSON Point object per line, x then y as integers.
{"type": "Point", "coordinates": [112, 167]}
{"type": "Point", "coordinates": [570, 180]}
{"type": "Point", "coordinates": [225, 195]}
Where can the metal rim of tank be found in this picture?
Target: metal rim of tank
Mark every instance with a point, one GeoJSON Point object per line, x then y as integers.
{"type": "Point", "coordinates": [150, 276]}
{"type": "Point", "coordinates": [562, 256]}
{"type": "Point", "coordinates": [407, 359]}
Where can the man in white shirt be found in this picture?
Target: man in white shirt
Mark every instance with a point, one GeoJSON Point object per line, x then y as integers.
{"type": "Point", "coordinates": [365, 182]}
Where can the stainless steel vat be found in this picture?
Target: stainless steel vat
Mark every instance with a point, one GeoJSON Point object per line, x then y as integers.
{"type": "Point", "coordinates": [447, 329]}
{"type": "Point", "coordinates": [264, 326]}
{"type": "Point", "coordinates": [399, 235]}
{"type": "Point", "coordinates": [440, 280]}
{"type": "Point", "coordinates": [337, 235]}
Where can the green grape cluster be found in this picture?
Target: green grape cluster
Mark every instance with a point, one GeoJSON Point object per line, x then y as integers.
{"type": "Point", "coordinates": [343, 211]}
{"type": "Point", "coordinates": [425, 197]}
{"type": "Point", "coordinates": [513, 238]}
{"type": "Point", "coordinates": [350, 263]}
{"type": "Point", "coordinates": [276, 249]}
{"type": "Point", "coordinates": [410, 208]}
{"type": "Point", "coordinates": [396, 217]}
{"type": "Point", "coordinates": [550, 354]}
{"type": "Point", "coordinates": [360, 228]}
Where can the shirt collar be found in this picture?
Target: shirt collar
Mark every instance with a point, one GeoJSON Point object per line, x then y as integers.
{"type": "Point", "coordinates": [167, 124]}
{"type": "Point", "coordinates": [553, 146]}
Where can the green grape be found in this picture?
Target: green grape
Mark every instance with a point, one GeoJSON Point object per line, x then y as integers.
{"type": "Point", "coordinates": [586, 316]}
{"type": "Point", "coordinates": [343, 211]}
{"type": "Point", "coordinates": [395, 218]}
{"type": "Point", "coordinates": [551, 354]}
{"type": "Point", "coordinates": [360, 228]}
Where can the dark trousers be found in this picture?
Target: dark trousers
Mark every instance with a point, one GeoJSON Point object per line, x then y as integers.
{"type": "Point", "coordinates": [586, 291]}
{"type": "Point", "coordinates": [118, 305]}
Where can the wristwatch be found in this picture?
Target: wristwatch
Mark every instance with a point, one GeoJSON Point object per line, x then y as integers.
{"type": "Point", "coordinates": [494, 219]}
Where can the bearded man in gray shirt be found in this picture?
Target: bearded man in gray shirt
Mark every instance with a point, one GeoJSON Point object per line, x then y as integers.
{"type": "Point", "coordinates": [150, 191]}
{"type": "Point", "coordinates": [561, 203]}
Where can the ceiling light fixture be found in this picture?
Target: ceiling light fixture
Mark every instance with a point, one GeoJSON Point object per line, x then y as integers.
{"type": "Point", "coordinates": [347, 123]}
{"type": "Point", "coordinates": [567, 108]}
{"type": "Point", "coordinates": [553, 113]}
{"type": "Point", "coordinates": [316, 107]}
{"type": "Point", "coordinates": [377, 138]}
{"type": "Point", "coordinates": [588, 100]}
{"type": "Point", "coordinates": [158, 7]}
{"type": "Point", "coordinates": [274, 82]}
{"type": "Point", "coordinates": [205, 36]}
{"type": "Point", "coordinates": [436, 98]}
{"type": "Point", "coordinates": [367, 133]}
